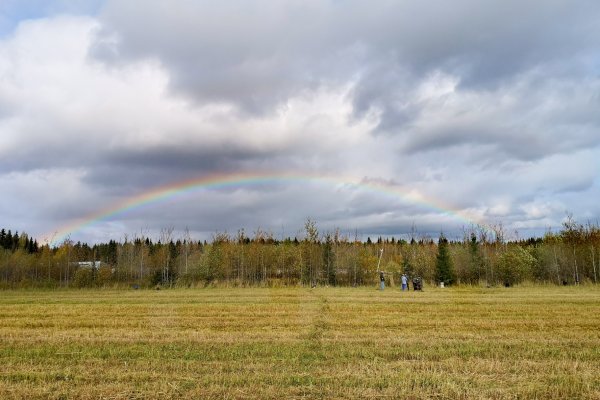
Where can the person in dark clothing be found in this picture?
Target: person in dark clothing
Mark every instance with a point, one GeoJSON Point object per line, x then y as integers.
{"type": "Point", "coordinates": [417, 283]}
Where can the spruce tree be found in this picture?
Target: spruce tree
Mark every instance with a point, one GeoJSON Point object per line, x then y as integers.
{"type": "Point", "coordinates": [329, 260]}
{"type": "Point", "coordinates": [15, 242]}
{"type": "Point", "coordinates": [443, 266]}
{"type": "Point", "coordinates": [8, 240]}
{"type": "Point", "coordinates": [29, 245]}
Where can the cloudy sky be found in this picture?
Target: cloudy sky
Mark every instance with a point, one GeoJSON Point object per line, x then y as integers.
{"type": "Point", "coordinates": [487, 109]}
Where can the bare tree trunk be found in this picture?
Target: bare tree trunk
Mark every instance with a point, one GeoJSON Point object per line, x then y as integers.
{"type": "Point", "coordinates": [576, 270]}
{"type": "Point", "coordinates": [166, 236]}
{"type": "Point", "coordinates": [187, 238]}
{"type": "Point", "coordinates": [142, 259]}
{"type": "Point", "coordinates": [593, 251]}
{"type": "Point", "coordinates": [301, 268]}
{"type": "Point", "coordinates": [556, 264]}
{"type": "Point", "coordinates": [68, 261]}
{"type": "Point", "coordinates": [355, 254]}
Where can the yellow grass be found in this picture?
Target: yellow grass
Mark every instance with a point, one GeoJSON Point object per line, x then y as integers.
{"type": "Point", "coordinates": [527, 342]}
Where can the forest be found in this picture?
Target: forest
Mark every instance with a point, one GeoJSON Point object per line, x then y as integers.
{"type": "Point", "coordinates": [482, 257]}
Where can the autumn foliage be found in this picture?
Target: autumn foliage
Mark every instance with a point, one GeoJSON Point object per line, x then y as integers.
{"type": "Point", "coordinates": [482, 257]}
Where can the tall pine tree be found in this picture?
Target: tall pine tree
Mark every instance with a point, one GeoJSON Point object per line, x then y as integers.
{"type": "Point", "coordinates": [329, 260]}
{"type": "Point", "coordinates": [444, 272]}
{"type": "Point", "coordinates": [3, 238]}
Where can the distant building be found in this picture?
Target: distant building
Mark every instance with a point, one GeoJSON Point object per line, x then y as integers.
{"type": "Point", "coordinates": [89, 264]}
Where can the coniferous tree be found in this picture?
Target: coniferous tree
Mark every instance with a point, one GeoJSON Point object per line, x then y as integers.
{"type": "Point", "coordinates": [444, 271]}
{"type": "Point", "coordinates": [329, 260]}
{"type": "Point", "coordinates": [8, 240]}
{"type": "Point", "coordinates": [15, 242]}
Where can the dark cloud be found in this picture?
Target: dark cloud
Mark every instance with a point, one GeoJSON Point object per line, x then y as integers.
{"type": "Point", "coordinates": [128, 171]}
{"type": "Point", "coordinates": [258, 54]}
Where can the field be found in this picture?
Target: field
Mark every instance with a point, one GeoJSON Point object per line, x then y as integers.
{"type": "Point", "coordinates": [524, 342]}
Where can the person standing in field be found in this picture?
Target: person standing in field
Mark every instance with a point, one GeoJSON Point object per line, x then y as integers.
{"type": "Point", "coordinates": [404, 282]}
{"type": "Point", "coordinates": [382, 280]}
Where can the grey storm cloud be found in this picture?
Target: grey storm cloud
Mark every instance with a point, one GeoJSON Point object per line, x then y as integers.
{"type": "Point", "coordinates": [128, 170]}
{"type": "Point", "coordinates": [257, 55]}
{"type": "Point", "coordinates": [489, 107]}
{"type": "Point", "coordinates": [263, 51]}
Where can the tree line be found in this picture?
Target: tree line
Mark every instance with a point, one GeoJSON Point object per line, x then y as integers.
{"type": "Point", "coordinates": [13, 242]}
{"type": "Point", "coordinates": [482, 257]}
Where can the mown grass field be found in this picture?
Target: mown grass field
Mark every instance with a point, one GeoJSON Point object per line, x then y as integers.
{"type": "Point", "coordinates": [525, 342]}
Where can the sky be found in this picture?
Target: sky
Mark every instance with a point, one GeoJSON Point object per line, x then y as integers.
{"type": "Point", "coordinates": [378, 118]}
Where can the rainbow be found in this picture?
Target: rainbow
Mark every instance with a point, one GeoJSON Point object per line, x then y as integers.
{"type": "Point", "coordinates": [233, 180]}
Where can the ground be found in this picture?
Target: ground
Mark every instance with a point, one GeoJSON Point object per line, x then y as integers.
{"type": "Point", "coordinates": [500, 343]}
